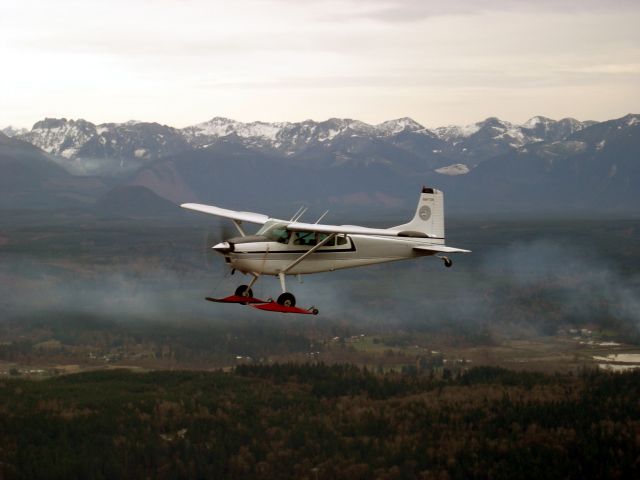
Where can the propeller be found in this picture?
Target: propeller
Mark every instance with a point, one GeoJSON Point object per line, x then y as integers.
{"type": "Point", "coordinates": [219, 232]}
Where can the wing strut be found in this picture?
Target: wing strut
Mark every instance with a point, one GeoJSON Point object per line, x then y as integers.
{"type": "Point", "coordinates": [239, 228]}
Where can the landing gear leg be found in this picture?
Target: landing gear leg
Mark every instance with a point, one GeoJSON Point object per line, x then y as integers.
{"type": "Point", "coordinates": [447, 262]}
{"type": "Point", "coordinates": [286, 299]}
{"type": "Point", "coordinates": [254, 279]}
{"type": "Point", "coordinates": [245, 290]}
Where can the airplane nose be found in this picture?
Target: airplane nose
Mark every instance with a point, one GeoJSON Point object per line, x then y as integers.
{"type": "Point", "coordinates": [223, 247]}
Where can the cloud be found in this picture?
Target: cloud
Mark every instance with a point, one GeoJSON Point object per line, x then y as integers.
{"type": "Point", "coordinates": [181, 62]}
{"type": "Point", "coordinates": [400, 11]}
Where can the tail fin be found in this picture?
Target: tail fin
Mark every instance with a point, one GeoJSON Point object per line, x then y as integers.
{"type": "Point", "coordinates": [429, 217]}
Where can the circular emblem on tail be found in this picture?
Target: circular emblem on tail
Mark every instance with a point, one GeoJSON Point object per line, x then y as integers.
{"type": "Point", "coordinates": [425, 213]}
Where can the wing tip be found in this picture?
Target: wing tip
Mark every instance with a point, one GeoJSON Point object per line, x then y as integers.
{"type": "Point", "coordinates": [189, 206]}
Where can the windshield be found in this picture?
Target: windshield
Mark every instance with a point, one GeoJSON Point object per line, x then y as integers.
{"type": "Point", "coordinates": [275, 231]}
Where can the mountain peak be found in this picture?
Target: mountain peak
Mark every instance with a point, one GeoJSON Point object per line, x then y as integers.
{"type": "Point", "coordinates": [11, 131]}
{"type": "Point", "coordinates": [223, 127]}
{"type": "Point", "coordinates": [50, 123]}
{"type": "Point", "coordinates": [492, 122]}
{"type": "Point", "coordinates": [391, 127]}
{"type": "Point", "coordinates": [537, 120]}
{"type": "Point", "coordinates": [631, 119]}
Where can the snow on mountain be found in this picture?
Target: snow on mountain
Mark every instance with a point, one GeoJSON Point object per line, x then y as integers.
{"type": "Point", "coordinates": [533, 122]}
{"type": "Point", "coordinates": [11, 131]}
{"type": "Point", "coordinates": [453, 170]}
{"type": "Point", "coordinates": [491, 128]}
{"type": "Point", "coordinates": [535, 129]}
{"type": "Point", "coordinates": [286, 135]}
{"type": "Point", "coordinates": [393, 127]}
{"type": "Point", "coordinates": [482, 140]}
{"type": "Point", "coordinates": [506, 131]}
{"type": "Point", "coordinates": [546, 129]}
{"type": "Point", "coordinates": [60, 136]}
{"type": "Point", "coordinates": [488, 161]}
{"type": "Point", "coordinates": [84, 148]}
{"type": "Point", "coordinates": [221, 127]}
{"type": "Point", "coordinates": [452, 132]}
{"type": "Point", "coordinates": [601, 135]}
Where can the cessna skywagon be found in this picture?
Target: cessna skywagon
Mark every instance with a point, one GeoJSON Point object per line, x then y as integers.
{"type": "Point", "coordinates": [291, 247]}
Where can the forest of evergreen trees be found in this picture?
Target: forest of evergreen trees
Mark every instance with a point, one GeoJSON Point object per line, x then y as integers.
{"type": "Point", "coordinates": [313, 421]}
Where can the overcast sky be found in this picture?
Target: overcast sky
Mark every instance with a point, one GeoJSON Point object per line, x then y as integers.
{"type": "Point", "coordinates": [439, 62]}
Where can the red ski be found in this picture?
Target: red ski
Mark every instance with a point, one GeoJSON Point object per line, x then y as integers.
{"type": "Point", "coordinates": [276, 307]}
{"type": "Point", "coordinates": [236, 299]}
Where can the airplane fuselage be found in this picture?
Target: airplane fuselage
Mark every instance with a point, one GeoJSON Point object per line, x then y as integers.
{"type": "Point", "coordinates": [347, 251]}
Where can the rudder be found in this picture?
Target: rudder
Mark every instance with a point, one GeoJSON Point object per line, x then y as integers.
{"type": "Point", "coordinates": [429, 216]}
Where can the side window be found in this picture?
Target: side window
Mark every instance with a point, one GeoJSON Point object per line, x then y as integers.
{"type": "Point", "coordinates": [305, 238]}
{"type": "Point", "coordinates": [312, 238]}
{"type": "Point", "coordinates": [330, 243]}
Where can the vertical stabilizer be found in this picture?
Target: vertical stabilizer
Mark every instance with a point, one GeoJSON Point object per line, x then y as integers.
{"type": "Point", "coordinates": [429, 217]}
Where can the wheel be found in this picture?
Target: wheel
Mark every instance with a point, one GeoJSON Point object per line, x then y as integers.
{"type": "Point", "coordinates": [287, 300]}
{"type": "Point", "coordinates": [447, 262]}
{"type": "Point", "coordinates": [315, 311]}
{"type": "Point", "coordinates": [244, 291]}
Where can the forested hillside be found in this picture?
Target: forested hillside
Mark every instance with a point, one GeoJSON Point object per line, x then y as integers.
{"type": "Point", "coordinates": [315, 421]}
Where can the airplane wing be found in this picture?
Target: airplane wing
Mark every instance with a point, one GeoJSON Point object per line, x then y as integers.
{"type": "Point", "coordinates": [439, 249]}
{"type": "Point", "coordinates": [223, 212]}
{"type": "Point", "coordinates": [350, 229]}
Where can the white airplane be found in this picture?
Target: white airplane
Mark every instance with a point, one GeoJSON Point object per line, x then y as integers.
{"type": "Point", "coordinates": [290, 247]}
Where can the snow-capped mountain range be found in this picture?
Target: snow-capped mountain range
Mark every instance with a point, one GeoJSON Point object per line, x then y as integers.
{"type": "Point", "coordinates": [292, 135]}
{"type": "Point", "coordinates": [536, 129]}
{"type": "Point", "coordinates": [13, 131]}
{"type": "Point", "coordinates": [84, 148]}
{"type": "Point", "coordinates": [490, 166]}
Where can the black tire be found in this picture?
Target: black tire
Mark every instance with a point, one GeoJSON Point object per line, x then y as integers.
{"type": "Point", "coordinates": [447, 262]}
{"type": "Point", "coordinates": [287, 300]}
{"type": "Point", "coordinates": [244, 291]}
{"type": "Point", "coordinates": [315, 311]}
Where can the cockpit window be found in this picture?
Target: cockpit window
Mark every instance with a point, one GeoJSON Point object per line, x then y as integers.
{"type": "Point", "coordinates": [268, 225]}
{"type": "Point", "coordinates": [313, 238]}
{"type": "Point", "coordinates": [305, 238]}
{"type": "Point", "coordinates": [275, 231]}
{"type": "Point", "coordinates": [280, 235]}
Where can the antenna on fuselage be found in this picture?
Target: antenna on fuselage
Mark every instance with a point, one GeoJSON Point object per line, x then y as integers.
{"type": "Point", "coordinates": [299, 215]}
{"type": "Point", "coordinates": [297, 212]}
{"type": "Point", "coordinates": [322, 216]}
